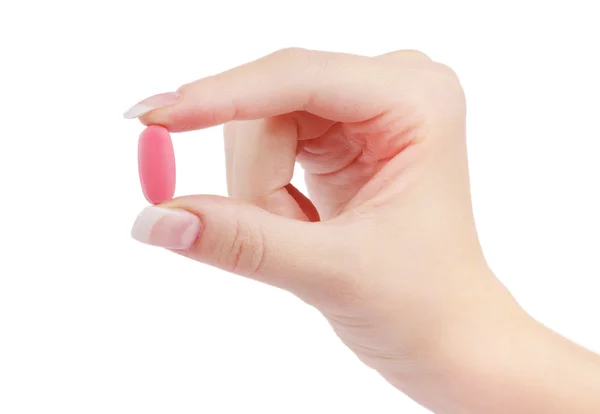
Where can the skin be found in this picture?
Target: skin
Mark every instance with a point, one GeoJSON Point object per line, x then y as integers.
{"type": "Point", "coordinates": [384, 245]}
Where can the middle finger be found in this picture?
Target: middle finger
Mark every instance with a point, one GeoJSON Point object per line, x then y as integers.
{"type": "Point", "coordinates": [260, 159]}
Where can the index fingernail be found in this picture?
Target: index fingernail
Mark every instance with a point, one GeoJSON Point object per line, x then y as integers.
{"type": "Point", "coordinates": [150, 104]}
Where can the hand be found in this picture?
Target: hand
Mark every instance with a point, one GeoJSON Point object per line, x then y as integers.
{"type": "Point", "coordinates": [385, 246]}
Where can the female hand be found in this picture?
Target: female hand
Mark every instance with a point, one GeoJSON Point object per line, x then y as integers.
{"type": "Point", "coordinates": [385, 246]}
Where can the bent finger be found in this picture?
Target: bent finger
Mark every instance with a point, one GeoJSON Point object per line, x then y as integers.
{"type": "Point", "coordinates": [260, 157]}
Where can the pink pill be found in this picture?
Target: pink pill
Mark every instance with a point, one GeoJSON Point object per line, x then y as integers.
{"type": "Point", "coordinates": [156, 164]}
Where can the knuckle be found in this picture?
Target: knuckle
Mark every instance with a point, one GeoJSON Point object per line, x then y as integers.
{"type": "Point", "coordinates": [404, 56]}
{"type": "Point", "coordinates": [446, 71]}
{"type": "Point", "coordinates": [449, 79]}
{"type": "Point", "coordinates": [292, 53]}
{"type": "Point", "coordinates": [435, 87]}
{"type": "Point", "coordinates": [243, 251]}
{"type": "Point", "coordinates": [417, 54]}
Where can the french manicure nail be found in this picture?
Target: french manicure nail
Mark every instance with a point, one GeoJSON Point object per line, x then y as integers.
{"type": "Point", "coordinates": [165, 227]}
{"type": "Point", "coordinates": [150, 104]}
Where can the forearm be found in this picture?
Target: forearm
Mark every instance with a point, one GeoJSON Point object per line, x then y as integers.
{"type": "Point", "coordinates": [518, 368]}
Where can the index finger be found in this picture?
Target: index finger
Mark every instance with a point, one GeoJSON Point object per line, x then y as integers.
{"type": "Point", "coordinates": [336, 86]}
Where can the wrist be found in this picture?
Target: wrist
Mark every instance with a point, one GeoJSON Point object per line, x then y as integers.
{"type": "Point", "coordinates": [498, 360]}
{"type": "Point", "coordinates": [469, 317]}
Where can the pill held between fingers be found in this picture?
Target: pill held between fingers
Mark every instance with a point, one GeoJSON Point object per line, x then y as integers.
{"type": "Point", "coordinates": [156, 164]}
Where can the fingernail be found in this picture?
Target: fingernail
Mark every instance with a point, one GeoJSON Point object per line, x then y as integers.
{"type": "Point", "coordinates": [165, 227]}
{"type": "Point", "coordinates": [150, 104]}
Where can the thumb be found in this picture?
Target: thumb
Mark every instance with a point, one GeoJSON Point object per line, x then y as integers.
{"type": "Point", "coordinates": [242, 238]}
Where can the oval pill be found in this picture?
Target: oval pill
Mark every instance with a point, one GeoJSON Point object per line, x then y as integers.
{"type": "Point", "coordinates": [156, 164]}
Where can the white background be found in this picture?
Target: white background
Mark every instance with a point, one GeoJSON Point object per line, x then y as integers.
{"type": "Point", "coordinates": [93, 322]}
